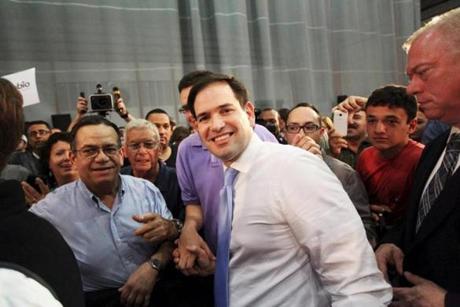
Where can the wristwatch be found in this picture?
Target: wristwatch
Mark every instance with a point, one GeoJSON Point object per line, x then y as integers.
{"type": "Point", "coordinates": [156, 264]}
{"type": "Point", "coordinates": [178, 224]}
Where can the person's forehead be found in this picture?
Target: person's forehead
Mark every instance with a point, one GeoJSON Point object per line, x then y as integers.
{"type": "Point", "coordinates": [214, 95]}
{"type": "Point", "coordinates": [268, 114]}
{"type": "Point", "coordinates": [96, 134]}
{"type": "Point", "coordinates": [184, 95]}
{"type": "Point", "coordinates": [383, 111]}
{"type": "Point", "coordinates": [36, 127]}
{"type": "Point", "coordinates": [159, 118]}
{"type": "Point", "coordinates": [139, 133]}
{"type": "Point", "coordinates": [303, 115]}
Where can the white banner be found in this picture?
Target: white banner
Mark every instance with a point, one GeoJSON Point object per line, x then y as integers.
{"type": "Point", "coordinates": [26, 84]}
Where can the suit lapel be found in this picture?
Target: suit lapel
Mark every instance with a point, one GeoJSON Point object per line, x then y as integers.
{"type": "Point", "coordinates": [427, 162]}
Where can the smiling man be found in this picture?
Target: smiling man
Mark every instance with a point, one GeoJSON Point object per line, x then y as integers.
{"type": "Point", "coordinates": [387, 168]}
{"type": "Point", "coordinates": [102, 218]}
{"type": "Point", "coordinates": [296, 239]}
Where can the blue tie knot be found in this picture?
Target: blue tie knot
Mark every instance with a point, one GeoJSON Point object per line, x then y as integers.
{"type": "Point", "coordinates": [229, 176]}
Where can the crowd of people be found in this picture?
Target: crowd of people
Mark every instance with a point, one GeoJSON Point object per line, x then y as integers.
{"type": "Point", "coordinates": [244, 207]}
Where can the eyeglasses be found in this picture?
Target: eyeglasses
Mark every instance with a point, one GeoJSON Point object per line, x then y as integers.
{"type": "Point", "coordinates": [307, 128]}
{"type": "Point", "coordinates": [146, 145]}
{"type": "Point", "coordinates": [92, 151]}
{"type": "Point", "coordinates": [184, 109]}
{"type": "Point", "coordinates": [38, 133]}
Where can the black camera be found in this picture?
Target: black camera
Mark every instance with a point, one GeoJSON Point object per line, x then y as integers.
{"type": "Point", "coordinates": [100, 101]}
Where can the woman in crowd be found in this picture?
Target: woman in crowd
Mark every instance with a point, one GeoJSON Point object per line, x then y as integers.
{"type": "Point", "coordinates": [55, 157]}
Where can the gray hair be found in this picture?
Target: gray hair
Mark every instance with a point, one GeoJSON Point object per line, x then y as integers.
{"type": "Point", "coordinates": [448, 24]}
{"type": "Point", "coordinates": [139, 123]}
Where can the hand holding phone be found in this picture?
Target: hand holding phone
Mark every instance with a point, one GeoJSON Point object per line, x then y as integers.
{"type": "Point", "coordinates": [341, 122]}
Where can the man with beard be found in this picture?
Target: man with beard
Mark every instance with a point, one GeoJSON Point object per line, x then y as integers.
{"type": "Point", "coordinates": [347, 149]}
{"type": "Point", "coordinates": [38, 133]}
{"type": "Point", "coordinates": [160, 118]}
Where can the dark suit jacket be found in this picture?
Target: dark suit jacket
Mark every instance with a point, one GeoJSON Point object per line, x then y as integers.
{"type": "Point", "coordinates": [434, 251]}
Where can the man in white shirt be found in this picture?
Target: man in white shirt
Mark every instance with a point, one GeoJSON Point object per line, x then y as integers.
{"type": "Point", "coordinates": [296, 239]}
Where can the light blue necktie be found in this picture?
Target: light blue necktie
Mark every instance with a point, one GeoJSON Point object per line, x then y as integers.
{"type": "Point", "coordinates": [439, 179]}
{"type": "Point", "coordinates": [224, 228]}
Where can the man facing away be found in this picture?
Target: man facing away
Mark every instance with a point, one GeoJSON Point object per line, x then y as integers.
{"type": "Point", "coordinates": [296, 239]}
{"type": "Point", "coordinates": [106, 219]}
{"type": "Point", "coordinates": [25, 239]}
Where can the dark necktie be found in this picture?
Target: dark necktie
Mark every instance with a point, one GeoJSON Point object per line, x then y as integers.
{"type": "Point", "coordinates": [440, 178]}
{"type": "Point", "coordinates": [224, 228]}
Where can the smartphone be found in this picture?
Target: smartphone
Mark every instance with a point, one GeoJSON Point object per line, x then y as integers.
{"type": "Point", "coordinates": [341, 122]}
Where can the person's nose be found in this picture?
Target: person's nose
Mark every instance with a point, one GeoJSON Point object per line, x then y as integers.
{"type": "Point", "coordinates": [217, 123]}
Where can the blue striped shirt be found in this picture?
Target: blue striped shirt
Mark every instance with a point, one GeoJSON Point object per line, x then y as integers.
{"type": "Point", "coordinates": [103, 240]}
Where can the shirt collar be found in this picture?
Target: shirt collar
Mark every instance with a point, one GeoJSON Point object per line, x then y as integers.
{"type": "Point", "coordinates": [250, 153]}
{"type": "Point", "coordinates": [91, 196]}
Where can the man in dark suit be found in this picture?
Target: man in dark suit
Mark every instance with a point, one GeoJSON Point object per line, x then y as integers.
{"type": "Point", "coordinates": [427, 244]}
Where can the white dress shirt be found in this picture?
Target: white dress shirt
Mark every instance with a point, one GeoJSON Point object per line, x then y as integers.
{"type": "Point", "coordinates": [296, 238]}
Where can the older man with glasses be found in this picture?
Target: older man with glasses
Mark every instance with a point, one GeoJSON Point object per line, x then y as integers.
{"type": "Point", "coordinates": [106, 219]}
{"type": "Point", "coordinates": [142, 148]}
{"type": "Point", "coordinates": [304, 130]}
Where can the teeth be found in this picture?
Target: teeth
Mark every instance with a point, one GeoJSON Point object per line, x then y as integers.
{"type": "Point", "coordinates": [220, 138]}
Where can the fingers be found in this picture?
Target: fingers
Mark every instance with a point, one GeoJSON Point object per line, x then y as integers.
{"type": "Point", "coordinates": [147, 217]}
{"type": "Point", "coordinates": [44, 189]}
{"type": "Point", "coordinates": [415, 279]}
{"type": "Point", "coordinates": [32, 196]}
{"type": "Point", "coordinates": [308, 144]}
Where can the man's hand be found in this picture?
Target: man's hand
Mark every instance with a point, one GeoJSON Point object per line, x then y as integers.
{"type": "Point", "coordinates": [204, 264]}
{"type": "Point", "coordinates": [307, 143]}
{"type": "Point", "coordinates": [122, 110]}
{"type": "Point", "coordinates": [138, 288]}
{"type": "Point", "coordinates": [82, 105]}
{"type": "Point", "coordinates": [378, 211]}
{"type": "Point", "coordinates": [389, 254]}
{"type": "Point", "coordinates": [185, 256]}
{"type": "Point", "coordinates": [336, 143]}
{"type": "Point", "coordinates": [32, 196]}
{"type": "Point", "coordinates": [351, 104]}
{"type": "Point", "coordinates": [156, 229]}
{"type": "Point", "coordinates": [424, 293]}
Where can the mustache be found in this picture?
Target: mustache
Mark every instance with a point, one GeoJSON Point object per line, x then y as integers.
{"type": "Point", "coordinates": [353, 126]}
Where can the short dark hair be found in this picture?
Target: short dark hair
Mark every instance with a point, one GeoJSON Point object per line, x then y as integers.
{"type": "Point", "coordinates": [305, 105]}
{"type": "Point", "coordinates": [11, 119]}
{"type": "Point", "coordinates": [36, 122]}
{"type": "Point", "coordinates": [393, 96]}
{"type": "Point", "coordinates": [93, 120]}
{"type": "Point", "coordinates": [283, 112]}
{"type": "Point", "coordinates": [239, 90]}
{"type": "Point", "coordinates": [53, 139]}
{"type": "Point", "coordinates": [156, 111]}
{"type": "Point", "coordinates": [192, 78]}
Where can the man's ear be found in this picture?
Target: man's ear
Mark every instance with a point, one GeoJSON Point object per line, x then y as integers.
{"type": "Point", "coordinates": [249, 109]}
{"type": "Point", "coordinates": [412, 125]}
